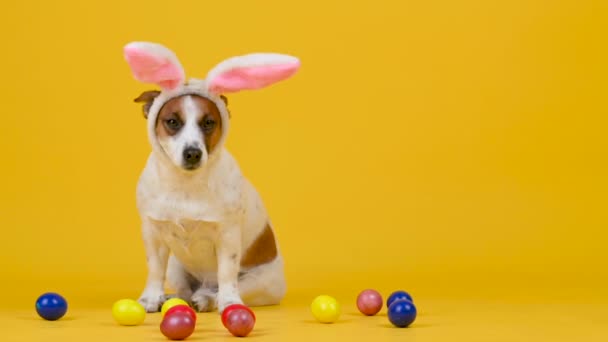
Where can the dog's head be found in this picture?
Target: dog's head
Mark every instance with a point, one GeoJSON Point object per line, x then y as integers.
{"type": "Point", "coordinates": [188, 127]}
{"type": "Point", "coordinates": [188, 121]}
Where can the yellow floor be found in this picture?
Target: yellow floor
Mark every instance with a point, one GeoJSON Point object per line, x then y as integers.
{"type": "Point", "coordinates": [438, 320]}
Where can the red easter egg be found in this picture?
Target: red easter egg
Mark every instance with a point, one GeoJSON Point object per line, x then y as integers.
{"type": "Point", "coordinates": [240, 322]}
{"type": "Point", "coordinates": [182, 308]}
{"type": "Point", "coordinates": [229, 308]}
{"type": "Point", "coordinates": [177, 326]}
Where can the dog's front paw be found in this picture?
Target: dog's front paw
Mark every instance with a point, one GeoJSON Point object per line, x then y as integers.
{"type": "Point", "coordinates": [152, 302]}
{"type": "Point", "coordinates": [225, 300]}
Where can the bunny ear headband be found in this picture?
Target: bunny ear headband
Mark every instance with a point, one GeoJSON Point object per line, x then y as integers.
{"type": "Point", "coordinates": [155, 64]}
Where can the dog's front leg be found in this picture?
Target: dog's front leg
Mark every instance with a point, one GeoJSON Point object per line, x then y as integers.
{"type": "Point", "coordinates": [157, 257]}
{"type": "Point", "coordinates": [228, 249]}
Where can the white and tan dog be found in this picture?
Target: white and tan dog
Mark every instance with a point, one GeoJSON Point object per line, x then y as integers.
{"type": "Point", "coordinates": [205, 228]}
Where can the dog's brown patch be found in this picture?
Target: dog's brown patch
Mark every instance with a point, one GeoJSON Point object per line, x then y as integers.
{"type": "Point", "coordinates": [172, 109]}
{"type": "Point", "coordinates": [210, 110]}
{"type": "Point", "coordinates": [262, 250]}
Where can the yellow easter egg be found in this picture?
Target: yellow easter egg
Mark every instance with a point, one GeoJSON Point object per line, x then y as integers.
{"type": "Point", "coordinates": [171, 303]}
{"type": "Point", "coordinates": [325, 309]}
{"type": "Point", "coordinates": [128, 312]}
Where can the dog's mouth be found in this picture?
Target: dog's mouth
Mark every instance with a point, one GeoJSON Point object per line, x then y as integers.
{"type": "Point", "coordinates": [191, 167]}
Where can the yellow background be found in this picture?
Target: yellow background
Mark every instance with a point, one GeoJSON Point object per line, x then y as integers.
{"type": "Point", "coordinates": [456, 149]}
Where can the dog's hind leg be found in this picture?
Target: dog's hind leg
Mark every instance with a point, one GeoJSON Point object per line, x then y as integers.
{"type": "Point", "coordinates": [204, 298]}
{"type": "Point", "coordinates": [263, 285]}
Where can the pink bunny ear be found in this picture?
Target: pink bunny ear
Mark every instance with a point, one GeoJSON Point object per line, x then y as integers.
{"type": "Point", "coordinates": [253, 71]}
{"type": "Point", "coordinates": [154, 63]}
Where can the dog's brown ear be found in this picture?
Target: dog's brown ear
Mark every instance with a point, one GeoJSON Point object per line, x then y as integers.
{"type": "Point", "coordinates": [225, 99]}
{"type": "Point", "coordinates": [147, 97]}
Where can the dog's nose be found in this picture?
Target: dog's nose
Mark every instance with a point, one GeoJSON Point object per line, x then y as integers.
{"type": "Point", "coordinates": [192, 155]}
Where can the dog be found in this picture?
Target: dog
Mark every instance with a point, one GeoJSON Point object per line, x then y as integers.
{"type": "Point", "coordinates": [205, 229]}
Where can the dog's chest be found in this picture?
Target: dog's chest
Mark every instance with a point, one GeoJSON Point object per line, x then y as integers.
{"type": "Point", "coordinates": [192, 243]}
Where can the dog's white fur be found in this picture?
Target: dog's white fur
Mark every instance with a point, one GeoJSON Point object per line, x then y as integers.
{"type": "Point", "coordinates": [198, 224]}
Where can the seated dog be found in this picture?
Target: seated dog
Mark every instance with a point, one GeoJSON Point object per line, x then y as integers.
{"type": "Point", "coordinates": [205, 228]}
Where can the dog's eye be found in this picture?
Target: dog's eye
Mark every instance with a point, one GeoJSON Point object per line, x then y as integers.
{"type": "Point", "coordinates": [208, 124]}
{"type": "Point", "coordinates": [173, 124]}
